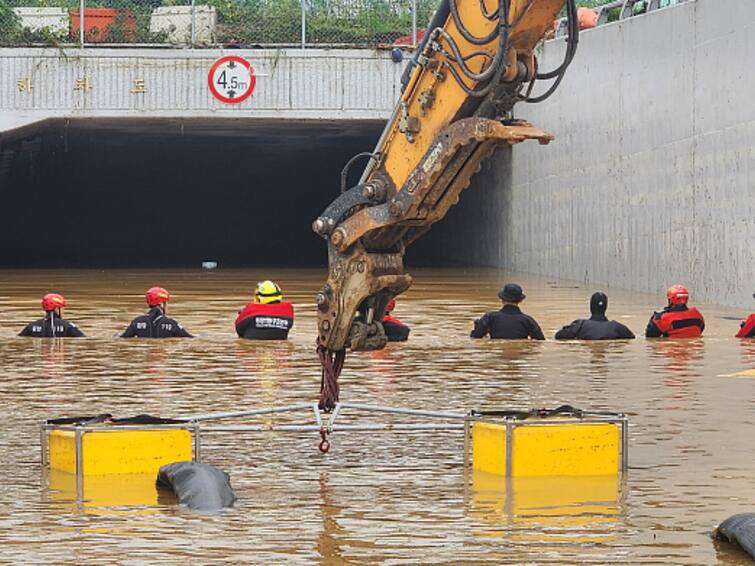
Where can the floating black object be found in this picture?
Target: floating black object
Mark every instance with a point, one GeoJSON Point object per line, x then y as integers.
{"type": "Point", "coordinates": [198, 486]}
{"type": "Point", "coordinates": [739, 529]}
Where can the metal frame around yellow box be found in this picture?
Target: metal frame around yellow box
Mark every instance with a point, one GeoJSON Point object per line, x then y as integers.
{"type": "Point", "coordinates": [554, 446]}
{"type": "Point", "coordinates": [101, 449]}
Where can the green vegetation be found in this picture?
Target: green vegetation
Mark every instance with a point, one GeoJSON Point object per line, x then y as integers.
{"type": "Point", "coordinates": [131, 24]}
{"type": "Point", "coordinates": [368, 22]}
{"type": "Point", "coordinates": [10, 26]}
{"type": "Point", "coordinates": [256, 22]}
{"type": "Point", "coordinates": [244, 22]}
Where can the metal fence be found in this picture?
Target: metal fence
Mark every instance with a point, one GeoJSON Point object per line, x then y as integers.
{"type": "Point", "coordinates": [212, 23]}
{"type": "Point", "coordinates": [615, 10]}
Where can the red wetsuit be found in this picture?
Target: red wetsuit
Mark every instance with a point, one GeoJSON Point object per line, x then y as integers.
{"type": "Point", "coordinates": [748, 328]}
{"type": "Point", "coordinates": [265, 322]}
{"type": "Point", "coordinates": [676, 321]}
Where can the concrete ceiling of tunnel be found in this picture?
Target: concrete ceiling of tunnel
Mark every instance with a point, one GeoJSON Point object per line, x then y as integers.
{"type": "Point", "coordinates": [275, 131]}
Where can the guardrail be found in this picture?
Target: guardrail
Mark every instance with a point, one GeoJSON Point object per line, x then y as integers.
{"type": "Point", "coordinates": [213, 23]}
{"type": "Point", "coordinates": [618, 10]}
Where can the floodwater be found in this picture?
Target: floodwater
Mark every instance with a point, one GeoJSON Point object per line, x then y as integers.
{"type": "Point", "coordinates": [379, 497]}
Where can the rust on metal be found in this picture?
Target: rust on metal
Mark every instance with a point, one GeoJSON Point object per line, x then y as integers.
{"type": "Point", "coordinates": [370, 242]}
{"type": "Point", "coordinates": [455, 109]}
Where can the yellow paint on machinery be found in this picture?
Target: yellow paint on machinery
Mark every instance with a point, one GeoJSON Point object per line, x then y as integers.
{"type": "Point", "coordinates": [472, 68]}
{"type": "Point", "coordinates": [119, 450]}
{"type": "Point", "coordinates": [567, 447]}
{"type": "Point", "coordinates": [529, 21]}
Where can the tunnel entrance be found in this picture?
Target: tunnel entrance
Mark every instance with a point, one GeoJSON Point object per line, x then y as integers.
{"type": "Point", "coordinates": [132, 193]}
{"type": "Point", "coordinates": [173, 193]}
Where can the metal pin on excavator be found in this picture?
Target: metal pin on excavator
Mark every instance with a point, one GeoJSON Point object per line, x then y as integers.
{"type": "Point", "coordinates": [474, 64]}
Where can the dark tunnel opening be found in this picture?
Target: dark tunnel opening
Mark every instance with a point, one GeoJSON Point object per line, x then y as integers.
{"type": "Point", "coordinates": [94, 193]}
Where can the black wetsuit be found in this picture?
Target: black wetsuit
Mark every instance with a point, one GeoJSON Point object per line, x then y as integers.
{"type": "Point", "coordinates": [52, 327]}
{"type": "Point", "coordinates": [508, 323]}
{"type": "Point", "coordinates": [395, 330]}
{"type": "Point", "coordinates": [155, 324]}
{"type": "Point", "coordinates": [597, 327]}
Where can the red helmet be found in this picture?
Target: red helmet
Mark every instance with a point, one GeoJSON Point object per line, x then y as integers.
{"type": "Point", "coordinates": [677, 295]}
{"type": "Point", "coordinates": [157, 296]}
{"type": "Point", "coordinates": [52, 301]}
{"type": "Point", "coordinates": [391, 305]}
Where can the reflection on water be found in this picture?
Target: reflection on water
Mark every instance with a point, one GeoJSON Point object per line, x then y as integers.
{"type": "Point", "coordinates": [96, 492]}
{"type": "Point", "coordinates": [548, 510]}
{"type": "Point", "coordinates": [377, 497]}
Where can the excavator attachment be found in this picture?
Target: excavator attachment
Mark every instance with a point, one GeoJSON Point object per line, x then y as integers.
{"type": "Point", "coordinates": [455, 110]}
{"type": "Point", "coordinates": [362, 280]}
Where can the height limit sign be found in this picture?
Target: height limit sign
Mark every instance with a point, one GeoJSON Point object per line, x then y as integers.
{"type": "Point", "coordinates": [231, 79]}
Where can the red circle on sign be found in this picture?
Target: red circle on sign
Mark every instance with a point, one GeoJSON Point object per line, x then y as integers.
{"type": "Point", "coordinates": [222, 97]}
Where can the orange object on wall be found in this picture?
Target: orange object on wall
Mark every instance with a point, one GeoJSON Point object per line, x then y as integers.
{"type": "Point", "coordinates": [550, 33]}
{"type": "Point", "coordinates": [588, 18]}
{"type": "Point", "coordinates": [105, 25]}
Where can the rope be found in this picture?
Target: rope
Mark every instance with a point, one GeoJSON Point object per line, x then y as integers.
{"type": "Point", "coordinates": [332, 364]}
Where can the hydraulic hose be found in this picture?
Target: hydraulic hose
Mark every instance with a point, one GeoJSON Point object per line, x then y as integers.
{"type": "Point", "coordinates": [440, 16]}
{"type": "Point", "coordinates": [571, 49]}
{"type": "Point", "coordinates": [476, 93]}
{"type": "Point", "coordinates": [488, 15]}
{"type": "Point", "coordinates": [571, 41]}
{"type": "Point", "coordinates": [465, 33]}
{"type": "Point", "coordinates": [350, 162]}
{"type": "Point", "coordinates": [502, 31]}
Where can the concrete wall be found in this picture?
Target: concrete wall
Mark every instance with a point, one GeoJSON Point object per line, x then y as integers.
{"type": "Point", "coordinates": [351, 84]}
{"type": "Point", "coordinates": [651, 178]}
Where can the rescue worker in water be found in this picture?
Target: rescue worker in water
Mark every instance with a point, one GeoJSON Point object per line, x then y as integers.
{"type": "Point", "coordinates": [155, 324]}
{"type": "Point", "coordinates": [676, 320]}
{"type": "Point", "coordinates": [747, 327]}
{"type": "Point", "coordinates": [395, 330]}
{"type": "Point", "coordinates": [597, 327]}
{"type": "Point", "coordinates": [509, 322]}
{"type": "Point", "coordinates": [269, 317]}
{"type": "Point", "coordinates": [53, 325]}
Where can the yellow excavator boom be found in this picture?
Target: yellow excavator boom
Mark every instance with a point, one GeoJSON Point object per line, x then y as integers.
{"type": "Point", "coordinates": [475, 62]}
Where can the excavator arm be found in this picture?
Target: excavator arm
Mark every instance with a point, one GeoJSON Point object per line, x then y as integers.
{"type": "Point", "coordinates": [476, 61]}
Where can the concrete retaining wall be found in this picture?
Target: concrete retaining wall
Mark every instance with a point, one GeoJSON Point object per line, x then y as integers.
{"type": "Point", "coordinates": [651, 179]}
{"type": "Point", "coordinates": [320, 84]}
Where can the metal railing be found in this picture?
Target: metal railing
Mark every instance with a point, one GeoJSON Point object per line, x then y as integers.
{"type": "Point", "coordinates": [439, 421]}
{"type": "Point", "coordinates": [213, 23]}
{"type": "Point", "coordinates": [615, 10]}
{"type": "Point", "coordinates": [240, 23]}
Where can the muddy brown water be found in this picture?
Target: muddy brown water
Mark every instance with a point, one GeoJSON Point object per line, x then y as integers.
{"type": "Point", "coordinates": [376, 497]}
